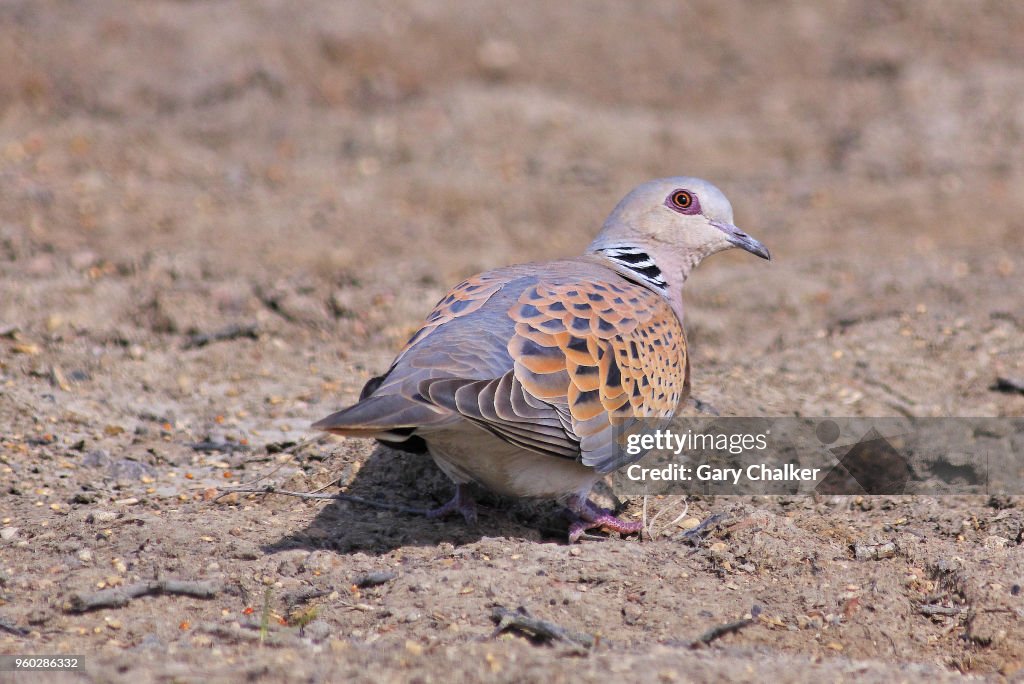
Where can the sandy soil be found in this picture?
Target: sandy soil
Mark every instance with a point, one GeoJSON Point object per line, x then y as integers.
{"type": "Point", "coordinates": [317, 177]}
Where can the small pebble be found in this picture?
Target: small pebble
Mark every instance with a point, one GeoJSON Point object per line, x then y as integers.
{"type": "Point", "coordinates": [319, 562]}
{"type": "Point", "coordinates": [26, 348]}
{"type": "Point", "coordinates": [8, 533]}
{"type": "Point", "coordinates": [97, 458]}
{"type": "Point", "coordinates": [101, 516]}
{"type": "Point", "coordinates": [994, 541]}
{"type": "Point", "coordinates": [318, 630]}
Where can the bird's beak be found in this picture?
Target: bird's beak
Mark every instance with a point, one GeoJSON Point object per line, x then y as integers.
{"type": "Point", "coordinates": [737, 237]}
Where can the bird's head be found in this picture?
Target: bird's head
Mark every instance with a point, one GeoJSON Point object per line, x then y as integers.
{"type": "Point", "coordinates": [668, 226]}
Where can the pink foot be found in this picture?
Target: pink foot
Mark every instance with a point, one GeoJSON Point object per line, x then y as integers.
{"type": "Point", "coordinates": [589, 516]}
{"type": "Point", "coordinates": [462, 503]}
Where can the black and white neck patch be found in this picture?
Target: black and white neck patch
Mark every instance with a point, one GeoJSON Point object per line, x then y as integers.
{"type": "Point", "coordinates": [636, 263]}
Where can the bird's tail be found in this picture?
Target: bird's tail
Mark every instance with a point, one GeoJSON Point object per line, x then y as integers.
{"type": "Point", "coordinates": [390, 418]}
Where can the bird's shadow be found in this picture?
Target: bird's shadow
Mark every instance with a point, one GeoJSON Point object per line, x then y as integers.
{"type": "Point", "coordinates": [414, 480]}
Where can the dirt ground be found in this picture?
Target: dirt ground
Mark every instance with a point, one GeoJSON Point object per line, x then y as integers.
{"type": "Point", "coordinates": [311, 177]}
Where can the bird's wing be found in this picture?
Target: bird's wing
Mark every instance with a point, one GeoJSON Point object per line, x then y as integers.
{"type": "Point", "coordinates": [462, 300]}
{"type": "Point", "coordinates": [586, 356]}
{"type": "Point", "coordinates": [390, 406]}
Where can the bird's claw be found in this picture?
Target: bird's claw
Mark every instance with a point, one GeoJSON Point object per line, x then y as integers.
{"type": "Point", "coordinates": [588, 516]}
{"type": "Point", "coordinates": [462, 503]}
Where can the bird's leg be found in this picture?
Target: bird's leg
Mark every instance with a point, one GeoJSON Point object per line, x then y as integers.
{"type": "Point", "coordinates": [588, 515]}
{"type": "Point", "coordinates": [462, 503]}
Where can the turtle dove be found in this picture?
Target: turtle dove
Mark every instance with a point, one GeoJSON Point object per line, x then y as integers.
{"type": "Point", "coordinates": [520, 375]}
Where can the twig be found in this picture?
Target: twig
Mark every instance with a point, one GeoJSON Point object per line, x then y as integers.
{"type": "Point", "coordinates": [288, 451]}
{"type": "Point", "coordinates": [728, 628]}
{"type": "Point", "coordinates": [280, 465]}
{"type": "Point", "coordinates": [336, 481]}
{"type": "Point", "coordinates": [929, 609]}
{"type": "Point", "coordinates": [521, 620]}
{"type": "Point", "coordinates": [218, 446]}
{"type": "Point", "coordinates": [375, 579]}
{"type": "Point", "coordinates": [708, 522]}
{"type": "Point", "coordinates": [118, 597]}
{"type": "Point", "coordinates": [232, 332]}
{"type": "Point", "coordinates": [882, 551]}
{"type": "Point", "coordinates": [11, 628]}
{"type": "Point", "coordinates": [290, 447]}
{"type": "Point", "coordinates": [649, 528]}
{"type": "Point", "coordinates": [270, 489]}
{"type": "Point", "coordinates": [293, 599]}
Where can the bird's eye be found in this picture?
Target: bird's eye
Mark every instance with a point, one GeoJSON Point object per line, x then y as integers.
{"type": "Point", "coordinates": [682, 199]}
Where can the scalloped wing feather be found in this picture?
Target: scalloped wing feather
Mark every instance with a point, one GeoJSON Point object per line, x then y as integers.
{"type": "Point", "coordinates": [617, 350]}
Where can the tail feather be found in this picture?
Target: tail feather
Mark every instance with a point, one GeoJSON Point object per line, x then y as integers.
{"type": "Point", "coordinates": [382, 417]}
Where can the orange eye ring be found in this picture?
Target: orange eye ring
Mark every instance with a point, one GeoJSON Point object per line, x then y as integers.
{"type": "Point", "coordinates": [682, 199]}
